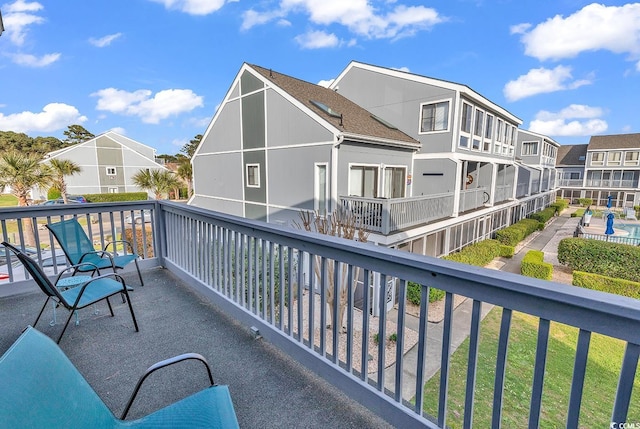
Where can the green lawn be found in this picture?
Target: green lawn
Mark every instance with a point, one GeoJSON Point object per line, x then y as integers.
{"type": "Point", "coordinates": [7, 200]}
{"type": "Point", "coordinates": [605, 357]}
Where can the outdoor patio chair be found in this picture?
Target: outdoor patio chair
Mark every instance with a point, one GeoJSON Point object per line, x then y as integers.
{"type": "Point", "coordinates": [95, 289]}
{"type": "Point", "coordinates": [630, 214]}
{"type": "Point", "coordinates": [78, 248]}
{"type": "Point", "coordinates": [42, 388]}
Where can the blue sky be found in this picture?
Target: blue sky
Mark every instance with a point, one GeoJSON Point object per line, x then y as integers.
{"type": "Point", "coordinates": [156, 70]}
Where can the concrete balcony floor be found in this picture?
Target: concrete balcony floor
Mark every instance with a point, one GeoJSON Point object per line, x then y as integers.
{"type": "Point", "coordinates": [268, 388]}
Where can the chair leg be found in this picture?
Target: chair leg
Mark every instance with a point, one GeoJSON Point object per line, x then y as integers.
{"type": "Point", "coordinates": [71, 311]}
{"type": "Point", "coordinates": [133, 316]}
{"type": "Point", "coordinates": [110, 309]}
{"type": "Point", "coordinates": [41, 310]}
{"type": "Point", "coordinates": [139, 274]}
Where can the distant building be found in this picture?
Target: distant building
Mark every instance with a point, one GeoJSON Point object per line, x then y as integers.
{"type": "Point", "coordinates": [607, 166]}
{"type": "Point", "coordinates": [427, 165]}
{"type": "Point", "coordinates": [108, 163]}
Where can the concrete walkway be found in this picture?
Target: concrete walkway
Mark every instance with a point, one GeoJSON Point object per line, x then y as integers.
{"type": "Point", "coordinates": [546, 240]}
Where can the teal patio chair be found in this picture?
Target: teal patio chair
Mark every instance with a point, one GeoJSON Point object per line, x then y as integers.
{"type": "Point", "coordinates": [41, 388]}
{"type": "Point", "coordinates": [94, 290]}
{"type": "Point", "coordinates": [78, 249]}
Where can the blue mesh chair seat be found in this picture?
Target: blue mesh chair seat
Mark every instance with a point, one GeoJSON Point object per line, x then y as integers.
{"type": "Point", "coordinates": [94, 290]}
{"type": "Point", "coordinates": [78, 248]}
{"type": "Point", "coordinates": [42, 388]}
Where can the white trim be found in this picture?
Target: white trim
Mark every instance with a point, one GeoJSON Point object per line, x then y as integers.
{"type": "Point", "coordinates": [449, 113]}
{"type": "Point", "coordinates": [109, 167]}
{"type": "Point", "coordinates": [256, 176]}
{"type": "Point", "coordinates": [383, 182]}
{"type": "Point", "coordinates": [291, 146]}
{"type": "Point", "coordinates": [528, 142]}
{"type": "Point", "coordinates": [361, 164]}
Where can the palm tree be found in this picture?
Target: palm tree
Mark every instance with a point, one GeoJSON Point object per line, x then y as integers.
{"type": "Point", "coordinates": [22, 172]}
{"type": "Point", "coordinates": [158, 181]}
{"type": "Point", "coordinates": [61, 168]}
{"type": "Point", "coordinates": [185, 172]}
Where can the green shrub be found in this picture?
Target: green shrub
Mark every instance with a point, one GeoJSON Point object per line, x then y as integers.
{"type": "Point", "coordinates": [600, 257]}
{"type": "Point", "coordinates": [478, 254]}
{"type": "Point", "coordinates": [507, 251]}
{"type": "Point", "coordinates": [607, 284]}
{"type": "Point", "coordinates": [533, 265]}
{"type": "Point", "coordinates": [561, 203]}
{"type": "Point", "coordinates": [578, 213]}
{"type": "Point", "coordinates": [121, 196]}
{"type": "Point", "coordinates": [393, 337]}
{"type": "Point", "coordinates": [543, 216]}
{"type": "Point", "coordinates": [517, 232]}
{"type": "Point", "coordinates": [53, 194]}
{"type": "Point", "coordinates": [585, 202]}
{"type": "Point", "coordinates": [414, 293]}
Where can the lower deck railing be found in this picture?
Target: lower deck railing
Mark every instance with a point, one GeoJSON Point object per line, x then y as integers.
{"type": "Point", "coordinates": [282, 283]}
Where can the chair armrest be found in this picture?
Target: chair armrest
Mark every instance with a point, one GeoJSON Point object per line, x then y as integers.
{"type": "Point", "coordinates": [101, 254]}
{"type": "Point", "coordinates": [162, 364]}
{"type": "Point", "coordinates": [128, 243]}
{"type": "Point", "coordinates": [74, 267]}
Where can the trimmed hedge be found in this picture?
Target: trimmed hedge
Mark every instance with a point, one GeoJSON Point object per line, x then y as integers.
{"type": "Point", "coordinates": [560, 204]}
{"type": "Point", "coordinates": [481, 253]}
{"type": "Point", "coordinates": [600, 257]}
{"type": "Point", "coordinates": [585, 202]}
{"type": "Point", "coordinates": [578, 213]}
{"type": "Point", "coordinates": [517, 232]}
{"type": "Point", "coordinates": [414, 293]}
{"type": "Point", "coordinates": [533, 265]}
{"type": "Point", "coordinates": [128, 236]}
{"type": "Point", "coordinates": [543, 216]}
{"type": "Point", "coordinates": [119, 196]}
{"type": "Point", "coordinates": [606, 284]}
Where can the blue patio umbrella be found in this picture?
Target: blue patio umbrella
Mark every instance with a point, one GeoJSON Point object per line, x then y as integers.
{"type": "Point", "coordinates": [609, 198]}
{"type": "Point", "coordinates": [609, 229]}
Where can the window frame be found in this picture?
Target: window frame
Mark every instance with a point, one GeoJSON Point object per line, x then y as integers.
{"type": "Point", "coordinates": [109, 168]}
{"type": "Point", "coordinates": [404, 168]}
{"type": "Point", "coordinates": [256, 176]}
{"type": "Point", "coordinates": [316, 188]}
{"type": "Point", "coordinates": [535, 144]}
{"type": "Point", "coordinates": [467, 120]}
{"type": "Point", "coordinates": [434, 103]}
{"type": "Point", "coordinates": [375, 168]}
{"type": "Point", "coordinates": [599, 161]}
{"type": "Point", "coordinates": [634, 159]}
{"type": "Point", "coordinates": [611, 161]}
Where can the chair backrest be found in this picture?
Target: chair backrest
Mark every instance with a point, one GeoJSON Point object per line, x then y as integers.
{"type": "Point", "coordinates": [72, 239]}
{"type": "Point", "coordinates": [42, 388]}
{"type": "Point", "coordinates": [36, 272]}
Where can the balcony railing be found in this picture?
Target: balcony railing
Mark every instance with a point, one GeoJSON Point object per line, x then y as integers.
{"type": "Point", "coordinates": [385, 216]}
{"type": "Point", "coordinates": [281, 280]}
{"type": "Point", "coordinates": [600, 183]}
{"type": "Point", "coordinates": [570, 182]}
{"type": "Point", "coordinates": [472, 199]}
{"type": "Point", "coordinates": [503, 193]}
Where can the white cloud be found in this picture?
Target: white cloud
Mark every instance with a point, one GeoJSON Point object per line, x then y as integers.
{"type": "Point", "coordinates": [574, 120]}
{"type": "Point", "coordinates": [119, 130]}
{"type": "Point", "coordinates": [594, 27]}
{"type": "Point", "coordinates": [166, 103]}
{"type": "Point", "coordinates": [17, 19]}
{"type": "Point", "coordinates": [33, 61]}
{"type": "Point", "coordinates": [104, 41]}
{"type": "Point", "coordinates": [360, 17]}
{"type": "Point", "coordinates": [519, 28]}
{"type": "Point", "coordinates": [326, 83]}
{"type": "Point", "coordinates": [54, 116]}
{"type": "Point", "coordinates": [193, 7]}
{"type": "Point", "coordinates": [317, 39]}
{"type": "Point", "coordinates": [540, 81]}
{"type": "Point", "coordinates": [402, 69]}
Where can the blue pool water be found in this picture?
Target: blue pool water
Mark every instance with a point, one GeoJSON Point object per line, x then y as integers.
{"type": "Point", "coordinates": [634, 230]}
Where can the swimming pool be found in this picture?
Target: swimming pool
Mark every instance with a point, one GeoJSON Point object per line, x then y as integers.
{"type": "Point", "coordinates": [632, 229]}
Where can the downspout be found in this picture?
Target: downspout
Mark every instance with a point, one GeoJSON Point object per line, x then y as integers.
{"type": "Point", "coordinates": [334, 173]}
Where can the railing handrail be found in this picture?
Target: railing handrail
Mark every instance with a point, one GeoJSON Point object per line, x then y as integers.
{"type": "Point", "coordinates": [611, 315]}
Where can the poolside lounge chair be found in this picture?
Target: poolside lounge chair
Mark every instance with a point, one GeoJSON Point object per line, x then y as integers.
{"type": "Point", "coordinates": [42, 388]}
{"type": "Point", "coordinates": [93, 290]}
{"type": "Point", "coordinates": [630, 214]}
{"type": "Point", "coordinates": [79, 249]}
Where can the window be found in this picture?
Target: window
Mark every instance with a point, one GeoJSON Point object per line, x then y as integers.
{"type": "Point", "coordinates": [478, 125]}
{"type": "Point", "coordinates": [321, 189]}
{"type": "Point", "coordinates": [112, 190]}
{"type": "Point", "coordinates": [529, 148]}
{"type": "Point", "coordinates": [111, 171]}
{"type": "Point", "coordinates": [614, 158]}
{"type": "Point", "coordinates": [597, 158]}
{"type": "Point", "coordinates": [363, 181]}
{"type": "Point", "coordinates": [488, 133]}
{"type": "Point", "coordinates": [253, 175]}
{"type": "Point", "coordinates": [465, 124]}
{"type": "Point", "coordinates": [631, 158]}
{"type": "Point", "coordinates": [435, 117]}
{"type": "Point", "coordinates": [574, 176]}
{"type": "Point", "coordinates": [499, 130]}
{"type": "Point", "coordinates": [394, 182]}
{"type": "Point", "coordinates": [326, 109]}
